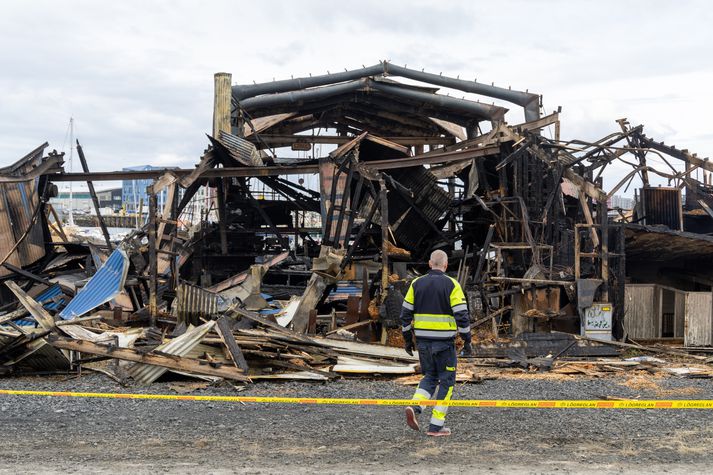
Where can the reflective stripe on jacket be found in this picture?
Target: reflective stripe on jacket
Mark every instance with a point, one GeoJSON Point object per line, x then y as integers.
{"type": "Point", "coordinates": [435, 307]}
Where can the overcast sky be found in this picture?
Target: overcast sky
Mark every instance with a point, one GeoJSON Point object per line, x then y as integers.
{"type": "Point", "coordinates": [137, 76]}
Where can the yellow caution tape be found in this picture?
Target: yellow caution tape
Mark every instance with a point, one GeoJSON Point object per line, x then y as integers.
{"type": "Point", "coordinates": [515, 403]}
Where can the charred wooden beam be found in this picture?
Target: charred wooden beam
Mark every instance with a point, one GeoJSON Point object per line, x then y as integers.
{"type": "Point", "coordinates": [173, 362]}
{"type": "Point", "coordinates": [93, 194]}
{"type": "Point", "coordinates": [428, 158]}
{"type": "Point", "coordinates": [153, 258]}
{"type": "Point", "coordinates": [276, 140]}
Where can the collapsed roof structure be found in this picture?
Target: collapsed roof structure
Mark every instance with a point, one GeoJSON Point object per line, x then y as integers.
{"type": "Point", "coordinates": [525, 218]}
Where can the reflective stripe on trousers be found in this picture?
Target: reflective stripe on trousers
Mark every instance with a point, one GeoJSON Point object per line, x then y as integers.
{"type": "Point", "coordinates": [438, 415]}
{"type": "Point", "coordinates": [421, 395]}
{"type": "Point", "coordinates": [438, 365]}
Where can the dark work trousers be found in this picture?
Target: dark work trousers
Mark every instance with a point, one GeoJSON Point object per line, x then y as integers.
{"type": "Point", "coordinates": [438, 366]}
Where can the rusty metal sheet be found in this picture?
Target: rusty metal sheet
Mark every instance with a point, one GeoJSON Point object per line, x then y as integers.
{"type": "Point", "coordinates": [20, 211]}
{"type": "Point", "coordinates": [240, 149]}
{"type": "Point", "coordinates": [327, 172]}
{"type": "Point", "coordinates": [409, 227]}
{"type": "Point", "coordinates": [194, 303]}
{"type": "Point", "coordinates": [662, 206]}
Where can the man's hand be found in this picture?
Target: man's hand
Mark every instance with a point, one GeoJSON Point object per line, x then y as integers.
{"type": "Point", "coordinates": [467, 349]}
{"type": "Point", "coordinates": [408, 342]}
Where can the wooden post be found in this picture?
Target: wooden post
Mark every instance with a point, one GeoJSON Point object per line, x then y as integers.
{"type": "Point", "coordinates": [384, 237]}
{"type": "Point", "coordinates": [603, 210]}
{"type": "Point", "coordinates": [452, 193]}
{"type": "Point", "coordinates": [577, 268]}
{"type": "Point", "coordinates": [153, 258]}
{"type": "Point", "coordinates": [57, 220]}
{"type": "Point", "coordinates": [222, 216]}
{"type": "Point", "coordinates": [221, 103]}
{"type": "Point", "coordinates": [221, 122]}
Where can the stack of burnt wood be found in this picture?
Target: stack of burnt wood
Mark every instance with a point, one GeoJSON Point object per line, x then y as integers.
{"type": "Point", "coordinates": [233, 344]}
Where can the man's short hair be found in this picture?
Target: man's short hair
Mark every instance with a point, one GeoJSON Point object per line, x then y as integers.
{"type": "Point", "coordinates": [439, 258]}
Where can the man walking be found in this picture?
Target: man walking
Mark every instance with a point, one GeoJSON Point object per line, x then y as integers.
{"type": "Point", "coordinates": [435, 309]}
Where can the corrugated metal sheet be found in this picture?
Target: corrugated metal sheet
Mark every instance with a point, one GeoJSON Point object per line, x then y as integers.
{"type": "Point", "coordinates": [327, 172]}
{"type": "Point", "coordinates": [642, 304]}
{"type": "Point", "coordinates": [344, 290]}
{"type": "Point", "coordinates": [662, 206]}
{"type": "Point", "coordinates": [179, 346]}
{"type": "Point", "coordinates": [18, 203]}
{"type": "Point", "coordinates": [699, 319]}
{"type": "Point", "coordinates": [44, 358]}
{"type": "Point", "coordinates": [241, 150]}
{"type": "Point", "coordinates": [51, 299]}
{"type": "Point", "coordinates": [106, 284]}
{"type": "Point", "coordinates": [679, 321]}
{"type": "Point", "coordinates": [408, 226]}
{"type": "Point", "coordinates": [193, 302]}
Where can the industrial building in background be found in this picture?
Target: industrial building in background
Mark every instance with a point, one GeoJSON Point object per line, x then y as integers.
{"type": "Point", "coordinates": [552, 262]}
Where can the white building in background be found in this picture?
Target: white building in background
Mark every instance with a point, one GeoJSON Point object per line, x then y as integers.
{"type": "Point", "coordinates": [622, 202]}
{"type": "Point", "coordinates": [81, 201]}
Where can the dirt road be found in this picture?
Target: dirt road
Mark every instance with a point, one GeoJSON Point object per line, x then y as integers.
{"type": "Point", "coordinates": [44, 435]}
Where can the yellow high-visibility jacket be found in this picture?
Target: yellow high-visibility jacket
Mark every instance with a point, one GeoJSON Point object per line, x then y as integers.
{"type": "Point", "coordinates": [436, 308]}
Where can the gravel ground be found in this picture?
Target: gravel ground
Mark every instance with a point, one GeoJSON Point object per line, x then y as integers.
{"type": "Point", "coordinates": [41, 434]}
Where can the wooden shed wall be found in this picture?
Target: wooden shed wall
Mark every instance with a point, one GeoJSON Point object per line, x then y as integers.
{"type": "Point", "coordinates": [642, 317]}
{"type": "Point", "coordinates": [699, 319]}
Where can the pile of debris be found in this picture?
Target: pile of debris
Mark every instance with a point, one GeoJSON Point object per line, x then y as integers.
{"type": "Point", "coordinates": [59, 328]}
{"type": "Point", "coordinates": [244, 287]}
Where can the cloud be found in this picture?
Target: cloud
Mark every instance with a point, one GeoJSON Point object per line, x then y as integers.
{"type": "Point", "coordinates": [138, 76]}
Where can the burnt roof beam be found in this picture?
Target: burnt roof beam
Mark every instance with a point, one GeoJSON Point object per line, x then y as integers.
{"type": "Point", "coordinates": [285, 140]}
{"type": "Point", "coordinates": [295, 99]}
{"type": "Point", "coordinates": [389, 104]}
{"type": "Point", "coordinates": [529, 101]}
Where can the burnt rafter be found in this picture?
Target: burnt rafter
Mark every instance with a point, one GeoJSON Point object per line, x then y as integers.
{"type": "Point", "coordinates": [376, 102]}
{"type": "Point", "coordinates": [297, 100]}
{"type": "Point", "coordinates": [529, 101]}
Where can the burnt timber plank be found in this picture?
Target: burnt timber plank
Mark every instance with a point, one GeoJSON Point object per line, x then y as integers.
{"type": "Point", "coordinates": [542, 344]}
{"type": "Point", "coordinates": [226, 334]}
{"type": "Point", "coordinates": [178, 363]}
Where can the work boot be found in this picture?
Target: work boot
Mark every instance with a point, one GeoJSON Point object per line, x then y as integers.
{"type": "Point", "coordinates": [411, 420]}
{"type": "Point", "coordinates": [442, 432]}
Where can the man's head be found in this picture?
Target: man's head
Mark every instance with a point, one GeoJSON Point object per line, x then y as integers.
{"type": "Point", "coordinates": [438, 261]}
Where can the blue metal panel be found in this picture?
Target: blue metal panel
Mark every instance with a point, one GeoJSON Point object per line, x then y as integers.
{"type": "Point", "coordinates": [270, 311]}
{"type": "Point", "coordinates": [343, 291]}
{"type": "Point", "coordinates": [106, 284]}
{"type": "Point", "coordinates": [47, 299]}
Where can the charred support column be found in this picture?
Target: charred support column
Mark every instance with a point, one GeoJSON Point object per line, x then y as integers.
{"type": "Point", "coordinates": [384, 237]}
{"type": "Point", "coordinates": [93, 194]}
{"type": "Point", "coordinates": [222, 215]}
{"type": "Point", "coordinates": [221, 122]}
{"type": "Point", "coordinates": [153, 258]}
{"type": "Point", "coordinates": [452, 193]}
{"type": "Point", "coordinates": [603, 211]}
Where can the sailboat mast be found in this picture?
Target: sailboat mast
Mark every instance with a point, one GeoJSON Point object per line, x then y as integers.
{"type": "Point", "coordinates": [71, 148]}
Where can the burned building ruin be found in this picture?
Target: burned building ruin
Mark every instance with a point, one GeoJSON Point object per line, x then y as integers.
{"type": "Point", "coordinates": [524, 216]}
